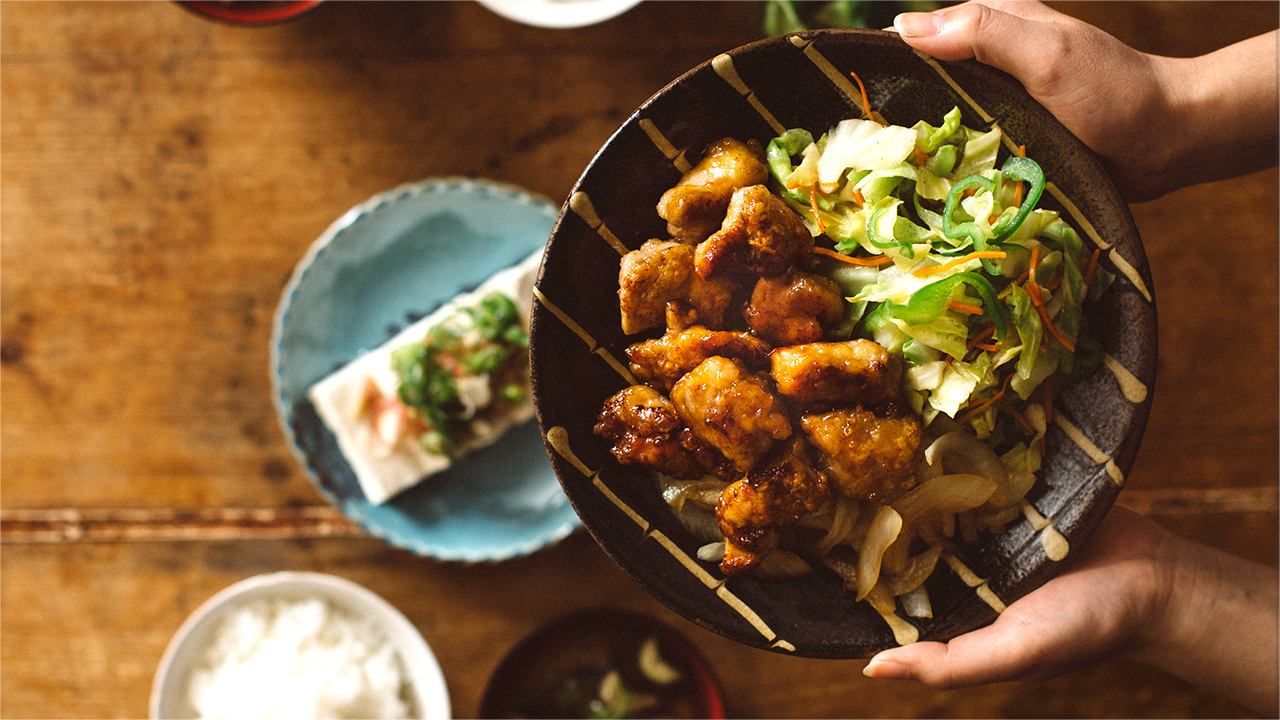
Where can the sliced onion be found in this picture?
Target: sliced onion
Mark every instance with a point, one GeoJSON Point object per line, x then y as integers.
{"type": "Point", "coordinates": [999, 517]}
{"type": "Point", "coordinates": [704, 492]}
{"type": "Point", "coordinates": [1020, 481]}
{"type": "Point", "coordinates": [842, 520]}
{"type": "Point", "coordinates": [885, 526]}
{"type": "Point", "coordinates": [916, 603]}
{"type": "Point", "coordinates": [918, 569]}
{"type": "Point", "coordinates": [700, 523]}
{"type": "Point", "coordinates": [782, 565]}
{"type": "Point", "coordinates": [712, 552]}
{"type": "Point", "coordinates": [882, 600]}
{"type": "Point", "coordinates": [960, 452]}
{"type": "Point", "coordinates": [944, 494]}
{"type": "Point", "coordinates": [895, 557]}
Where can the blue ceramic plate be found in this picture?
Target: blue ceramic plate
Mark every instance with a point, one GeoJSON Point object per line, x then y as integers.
{"type": "Point", "coordinates": [382, 265]}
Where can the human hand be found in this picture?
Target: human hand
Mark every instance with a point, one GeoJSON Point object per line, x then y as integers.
{"type": "Point", "coordinates": [1132, 591]}
{"type": "Point", "coordinates": [1112, 590]}
{"type": "Point", "coordinates": [1157, 123]}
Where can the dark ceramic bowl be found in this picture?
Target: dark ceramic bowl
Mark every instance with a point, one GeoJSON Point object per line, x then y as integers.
{"type": "Point", "coordinates": [532, 679]}
{"type": "Point", "coordinates": [802, 80]}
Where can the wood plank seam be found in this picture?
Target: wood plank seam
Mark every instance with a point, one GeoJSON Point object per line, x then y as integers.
{"type": "Point", "coordinates": [64, 525]}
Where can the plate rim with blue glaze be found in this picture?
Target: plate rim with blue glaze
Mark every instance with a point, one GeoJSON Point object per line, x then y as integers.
{"type": "Point", "coordinates": [408, 520]}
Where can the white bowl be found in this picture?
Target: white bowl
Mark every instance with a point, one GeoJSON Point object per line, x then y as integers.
{"type": "Point", "coordinates": [559, 13]}
{"type": "Point", "coordinates": [422, 671]}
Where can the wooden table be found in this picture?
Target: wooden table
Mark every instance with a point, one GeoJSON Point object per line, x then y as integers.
{"type": "Point", "coordinates": [161, 176]}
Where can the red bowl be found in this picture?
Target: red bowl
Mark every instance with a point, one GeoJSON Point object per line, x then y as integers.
{"type": "Point", "coordinates": [589, 643]}
{"type": "Point", "coordinates": [249, 12]}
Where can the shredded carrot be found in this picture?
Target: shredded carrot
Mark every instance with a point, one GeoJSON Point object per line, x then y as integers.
{"type": "Point", "coordinates": [1017, 189]}
{"type": "Point", "coordinates": [985, 403]}
{"type": "Point", "coordinates": [866, 104]}
{"type": "Point", "coordinates": [921, 157]}
{"type": "Point", "coordinates": [1037, 300]}
{"type": "Point", "coordinates": [1093, 265]}
{"type": "Point", "coordinates": [865, 262]}
{"type": "Point", "coordinates": [857, 196]}
{"type": "Point", "coordinates": [987, 346]}
{"type": "Point", "coordinates": [817, 216]}
{"type": "Point", "coordinates": [793, 185]}
{"type": "Point", "coordinates": [1017, 416]}
{"type": "Point", "coordinates": [965, 308]}
{"type": "Point", "coordinates": [982, 335]}
{"type": "Point", "coordinates": [994, 254]}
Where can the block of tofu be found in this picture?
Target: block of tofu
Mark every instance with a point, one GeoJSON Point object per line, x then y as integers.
{"type": "Point", "coordinates": [380, 446]}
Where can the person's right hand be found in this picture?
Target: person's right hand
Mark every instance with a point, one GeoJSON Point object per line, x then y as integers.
{"type": "Point", "coordinates": [1135, 591]}
{"type": "Point", "coordinates": [1158, 123]}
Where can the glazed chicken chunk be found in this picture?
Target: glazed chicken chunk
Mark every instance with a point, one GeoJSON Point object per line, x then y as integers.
{"type": "Point", "coordinates": [643, 428]}
{"type": "Point", "coordinates": [732, 410]}
{"type": "Point", "coordinates": [659, 272]}
{"type": "Point", "coordinates": [794, 308]}
{"type": "Point", "coordinates": [695, 207]}
{"type": "Point", "coordinates": [760, 236]}
{"type": "Point", "coordinates": [662, 361]}
{"type": "Point", "coordinates": [858, 371]}
{"type": "Point", "coordinates": [867, 455]}
{"type": "Point", "coordinates": [752, 509]}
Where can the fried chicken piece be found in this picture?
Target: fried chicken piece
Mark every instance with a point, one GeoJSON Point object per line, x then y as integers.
{"type": "Point", "coordinates": [712, 459]}
{"type": "Point", "coordinates": [661, 271]}
{"type": "Point", "coordinates": [867, 455]}
{"type": "Point", "coordinates": [712, 299]}
{"type": "Point", "coordinates": [842, 372]}
{"type": "Point", "coordinates": [793, 308]}
{"type": "Point", "coordinates": [648, 278]}
{"type": "Point", "coordinates": [643, 428]}
{"type": "Point", "coordinates": [695, 207]}
{"type": "Point", "coordinates": [752, 509]}
{"type": "Point", "coordinates": [760, 236]}
{"type": "Point", "coordinates": [662, 361]}
{"type": "Point", "coordinates": [732, 410]}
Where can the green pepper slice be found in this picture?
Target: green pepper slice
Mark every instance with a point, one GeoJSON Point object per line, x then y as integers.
{"type": "Point", "coordinates": [1026, 169]}
{"type": "Point", "coordinates": [953, 230]}
{"type": "Point", "coordinates": [929, 302]}
{"type": "Point", "coordinates": [779, 153]}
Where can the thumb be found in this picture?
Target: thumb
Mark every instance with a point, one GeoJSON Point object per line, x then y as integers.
{"type": "Point", "coordinates": [991, 654]}
{"type": "Point", "coordinates": [1015, 44]}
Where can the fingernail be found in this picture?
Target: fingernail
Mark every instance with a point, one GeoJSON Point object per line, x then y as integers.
{"type": "Point", "coordinates": [887, 670]}
{"type": "Point", "coordinates": [916, 24]}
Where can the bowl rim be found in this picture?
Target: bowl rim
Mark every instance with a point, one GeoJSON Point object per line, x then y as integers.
{"type": "Point", "coordinates": [422, 669]}
{"type": "Point", "coordinates": [559, 15]}
{"type": "Point", "coordinates": [1096, 492]}
{"type": "Point", "coordinates": [278, 12]}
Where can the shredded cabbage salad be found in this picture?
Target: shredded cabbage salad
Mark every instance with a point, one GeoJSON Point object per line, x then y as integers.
{"type": "Point", "coordinates": [945, 259]}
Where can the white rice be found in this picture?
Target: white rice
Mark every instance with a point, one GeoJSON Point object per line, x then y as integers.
{"type": "Point", "coordinates": [298, 658]}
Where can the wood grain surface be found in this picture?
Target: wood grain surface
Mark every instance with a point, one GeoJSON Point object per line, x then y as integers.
{"type": "Point", "coordinates": [160, 175]}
